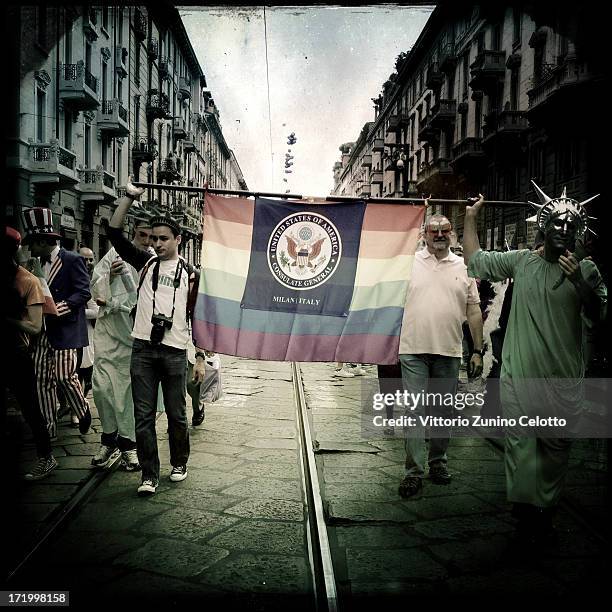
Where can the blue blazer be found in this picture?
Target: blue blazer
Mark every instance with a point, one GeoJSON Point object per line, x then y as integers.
{"type": "Point", "coordinates": [69, 282]}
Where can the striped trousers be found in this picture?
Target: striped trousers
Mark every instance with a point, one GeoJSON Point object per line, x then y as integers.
{"type": "Point", "coordinates": [57, 368]}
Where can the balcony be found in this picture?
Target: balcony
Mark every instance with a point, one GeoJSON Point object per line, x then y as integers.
{"type": "Point", "coordinates": [113, 118]}
{"type": "Point", "coordinates": [365, 191]}
{"type": "Point", "coordinates": [378, 145]}
{"type": "Point", "coordinates": [488, 70]}
{"type": "Point", "coordinates": [96, 185]}
{"type": "Point", "coordinates": [366, 161]}
{"type": "Point", "coordinates": [468, 155]}
{"type": "Point", "coordinates": [432, 169]}
{"type": "Point", "coordinates": [447, 58]}
{"type": "Point", "coordinates": [505, 123]}
{"type": "Point", "coordinates": [393, 124]}
{"type": "Point", "coordinates": [51, 163]}
{"type": "Point", "coordinates": [189, 142]}
{"type": "Point", "coordinates": [144, 151]}
{"type": "Point", "coordinates": [561, 84]}
{"type": "Point", "coordinates": [396, 122]}
{"type": "Point", "coordinates": [158, 106]}
{"type": "Point", "coordinates": [140, 25]}
{"type": "Point", "coordinates": [443, 113]}
{"type": "Point", "coordinates": [164, 68]}
{"type": "Point", "coordinates": [376, 178]}
{"type": "Point", "coordinates": [427, 132]}
{"type": "Point", "coordinates": [169, 169]}
{"type": "Point", "coordinates": [435, 77]}
{"type": "Point", "coordinates": [153, 48]}
{"type": "Point", "coordinates": [185, 87]}
{"type": "Point", "coordinates": [121, 61]}
{"type": "Point", "coordinates": [78, 86]}
{"type": "Point", "coordinates": [178, 127]}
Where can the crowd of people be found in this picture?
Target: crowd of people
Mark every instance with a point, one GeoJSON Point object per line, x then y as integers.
{"type": "Point", "coordinates": [119, 328]}
{"type": "Point", "coordinates": [122, 328]}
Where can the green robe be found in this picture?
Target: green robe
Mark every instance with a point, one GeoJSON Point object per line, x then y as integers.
{"type": "Point", "coordinates": [543, 342]}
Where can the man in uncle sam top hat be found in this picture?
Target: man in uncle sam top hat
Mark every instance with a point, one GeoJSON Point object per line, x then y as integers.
{"type": "Point", "coordinates": [55, 352]}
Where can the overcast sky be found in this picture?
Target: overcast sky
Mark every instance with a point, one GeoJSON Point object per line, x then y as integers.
{"type": "Point", "coordinates": [325, 64]}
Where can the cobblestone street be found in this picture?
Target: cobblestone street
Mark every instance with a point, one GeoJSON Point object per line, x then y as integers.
{"type": "Point", "coordinates": [236, 526]}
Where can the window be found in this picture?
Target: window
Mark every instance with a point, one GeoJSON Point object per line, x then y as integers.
{"type": "Point", "coordinates": [464, 121]}
{"type": "Point", "coordinates": [41, 25]}
{"type": "Point", "coordinates": [466, 75]}
{"type": "Point", "coordinates": [538, 64]}
{"type": "Point", "coordinates": [41, 109]}
{"type": "Point", "coordinates": [119, 89]}
{"type": "Point", "coordinates": [450, 93]}
{"type": "Point", "coordinates": [568, 159]}
{"type": "Point", "coordinates": [514, 88]}
{"type": "Point", "coordinates": [537, 163]}
{"type": "Point", "coordinates": [87, 145]}
{"type": "Point", "coordinates": [480, 42]}
{"type": "Point", "coordinates": [136, 117]}
{"type": "Point", "coordinates": [119, 173]}
{"type": "Point", "coordinates": [421, 82]}
{"type": "Point", "coordinates": [67, 129]}
{"type": "Point", "coordinates": [137, 64]}
{"type": "Point", "coordinates": [563, 49]}
{"type": "Point", "coordinates": [120, 25]}
{"type": "Point", "coordinates": [517, 26]}
{"type": "Point", "coordinates": [478, 118]}
{"type": "Point", "coordinates": [88, 57]}
{"type": "Point", "coordinates": [496, 37]}
{"type": "Point", "coordinates": [104, 79]}
{"type": "Point", "coordinates": [68, 42]}
{"type": "Point", "coordinates": [104, 153]}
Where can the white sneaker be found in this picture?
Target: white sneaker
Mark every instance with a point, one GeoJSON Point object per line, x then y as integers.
{"type": "Point", "coordinates": [105, 456]}
{"type": "Point", "coordinates": [344, 372]}
{"type": "Point", "coordinates": [129, 461]}
{"type": "Point", "coordinates": [147, 487]}
{"type": "Point", "coordinates": [178, 473]}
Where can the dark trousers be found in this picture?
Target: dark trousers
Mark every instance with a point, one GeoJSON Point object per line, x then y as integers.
{"type": "Point", "coordinates": [21, 380]}
{"type": "Point", "coordinates": [150, 366]}
{"type": "Point", "coordinates": [390, 381]}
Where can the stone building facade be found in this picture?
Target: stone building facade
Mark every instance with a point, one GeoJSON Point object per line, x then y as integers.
{"type": "Point", "coordinates": [487, 99]}
{"type": "Point", "coordinates": [100, 93]}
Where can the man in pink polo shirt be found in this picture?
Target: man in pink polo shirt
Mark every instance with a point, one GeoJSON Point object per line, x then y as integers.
{"type": "Point", "coordinates": [440, 297]}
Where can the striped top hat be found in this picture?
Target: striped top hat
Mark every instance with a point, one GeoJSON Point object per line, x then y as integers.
{"type": "Point", "coordinates": [39, 222]}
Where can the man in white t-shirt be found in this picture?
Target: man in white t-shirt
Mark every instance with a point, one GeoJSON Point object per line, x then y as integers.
{"type": "Point", "coordinates": [166, 298]}
{"type": "Point", "coordinates": [440, 297]}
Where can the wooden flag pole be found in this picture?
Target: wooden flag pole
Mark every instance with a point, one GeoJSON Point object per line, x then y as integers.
{"type": "Point", "coordinates": [247, 194]}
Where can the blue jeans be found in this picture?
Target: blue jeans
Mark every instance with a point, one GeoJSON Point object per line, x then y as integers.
{"type": "Point", "coordinates": [420, 374]}
{"type": "Point", "coordinates": [150, 366]}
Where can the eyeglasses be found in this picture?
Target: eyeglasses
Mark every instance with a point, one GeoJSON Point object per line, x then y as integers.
{"type": "Point", "coordinates": [434, 232]}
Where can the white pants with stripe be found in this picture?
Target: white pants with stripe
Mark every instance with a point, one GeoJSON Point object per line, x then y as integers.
{"type": "Point", "coordinates": [57, 368]}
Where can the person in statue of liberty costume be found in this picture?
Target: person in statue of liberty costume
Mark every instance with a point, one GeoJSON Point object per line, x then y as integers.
{"type": "Point", "coordinates": [114, 283]}
{"type": "Point", "coordinates": [555, 289]}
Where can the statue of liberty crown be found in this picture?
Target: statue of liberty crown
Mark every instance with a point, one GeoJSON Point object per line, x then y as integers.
{"type": "Point", "coordinates": [553, 207]}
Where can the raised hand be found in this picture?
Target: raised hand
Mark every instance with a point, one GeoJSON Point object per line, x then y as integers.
{"type": "Point", "coordinates": [133, 191]}
{"type": "Point", "coordinates": [474, 209]}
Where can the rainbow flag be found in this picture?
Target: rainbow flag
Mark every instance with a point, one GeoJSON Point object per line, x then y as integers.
{"type": "Point", "coordinates": [298, 281]}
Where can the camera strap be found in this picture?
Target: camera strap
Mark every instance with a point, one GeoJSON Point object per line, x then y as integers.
{"type": "Point", "coordinates": [176, 283]}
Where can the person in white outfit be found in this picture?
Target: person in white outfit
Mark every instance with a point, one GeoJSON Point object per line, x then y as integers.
{"type": "Point", "coordinates": [114, 286]}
